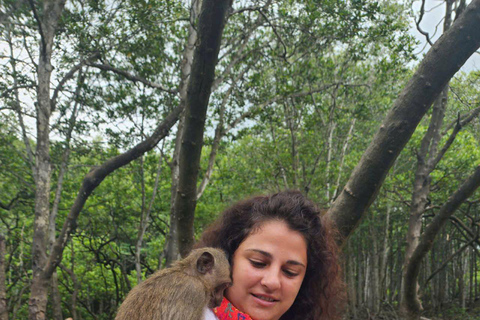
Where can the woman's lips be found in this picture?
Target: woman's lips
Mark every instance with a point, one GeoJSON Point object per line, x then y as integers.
{"type": "Point", "coordinates": [264, 300]}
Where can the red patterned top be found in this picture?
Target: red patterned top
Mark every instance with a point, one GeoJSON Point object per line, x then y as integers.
{"type": "Point", "coordinates": [226, 311]}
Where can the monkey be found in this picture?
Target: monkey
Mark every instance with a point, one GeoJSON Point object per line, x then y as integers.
{"type": "Point", "coordinates": [182, 291]}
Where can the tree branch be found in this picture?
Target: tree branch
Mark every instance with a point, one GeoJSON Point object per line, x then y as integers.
{"type": "Point", "coordinates": [256, 108]}
{"type": "Point", "coordinates": [96, 176]}
{"type": "Point", "coordinates": [460, 124]}
{"type": "Point", "coordinates": [446, 146]}
{"type": "Point", "coordinates": [69, 75]}
{"type": "Point", "coordinates": [252, 8]}
{"type": "Point", "coordinates": [465, 119]}
{"type": "Point", "coordinates": [442, 61]}
{"type": "Point", "coordinates": [241, 47]}
{"type": "Point", "coordinates": [65, 160]}
{"type": "Point", "coordinates": [10, 205]}
{"type": "Point", "coordinates": [40, 29]}
{"type": "Point", "coordinates": [427, 239]}
{"type": "Point", "coordinates": [219, 133]}
{"type": "Point", "coordinates": [131, 77]}
{"type": "Point", "coordinates": [462, 227]}
{"type": "Point", "coordinates": [284, 55]}
{"type": "Point", "coordinates": [4, 16]}
{"type": "Point", "coordinates": [211, 23]}
{"type": "Point", "coordinates": [342, 158]}
{"type": "Point", "coordinates": [417, 23]}
{"type": "Point", "coordinates": [444, 264]}
{"type": "Point", "coordinates": [18, 107]}
{"type": "Point", "coordinates": [6, 92]}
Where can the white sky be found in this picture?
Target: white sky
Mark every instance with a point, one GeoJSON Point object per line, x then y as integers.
{"type": "Point", "coordinates": [433, 24]}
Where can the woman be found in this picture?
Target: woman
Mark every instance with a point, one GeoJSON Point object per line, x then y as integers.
{"type": "Point", "coordinates": [284, 260]}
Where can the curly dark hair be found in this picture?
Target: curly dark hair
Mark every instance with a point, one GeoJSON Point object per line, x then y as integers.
{"type": "Point", "coordinates": [322, 291]}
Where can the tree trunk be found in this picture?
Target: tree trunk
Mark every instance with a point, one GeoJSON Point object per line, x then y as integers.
{"type": "Point", "coordinates": [375, 283]}
{"type": "Point", "coordinates": [476, 278]}
{"type": "Point", "coordinates": [56, 299]}
{"type": "Point", "coordinates": [331, 128]}
{"type": "Point", "coordinates": [361, 266]}
{"type": "Point", "coordinates": [433, 285]}
{"type": "Point", "coordinates": [171, 251]}
{"type": "Point", "coordinates": [39, 289]}
{"type": "Point", "coordinates": [342, 157]}
{"type": "Point", "coordinates": [461, 280]}
{"type": "Point", "coordinates": [384, 258]}
{"type": "Point", "coordinates": [290, 119]}
{"type": "Point", "coordinates": [471, 297]}
{"type": "Point", "coordinates": [442, 279]}
{"type": "Point", "coordinates": [426, 156]}
{"type": "Point", "coordinates": [3, 285]}
{"type": "Point", "coordinates": [352, 295]}
{"type": "Point", "coordinates": [442, 61]}
{"type": "Point", "coordinates": [367, 284]}
{"type": "Point", "coordinates": [210, 25]}
{"type": "Point", "coordinates": [427, 161]}
{"type": "Point", "coordinates": [410, 298]}
{"type": "Point", "coordinates": [145, 217]}
{"type": "Point", "coordinates": [55, 293]}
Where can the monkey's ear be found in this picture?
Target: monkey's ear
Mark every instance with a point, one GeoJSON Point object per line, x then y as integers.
{"type": "Point", "coordinates": [205, 262]}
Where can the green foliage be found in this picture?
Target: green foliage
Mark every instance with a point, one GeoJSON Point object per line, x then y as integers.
{"type": "Point", "coordinates": [311, 85]}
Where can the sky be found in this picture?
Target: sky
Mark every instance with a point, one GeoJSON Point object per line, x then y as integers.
{"type": "Point", "coordinates": [433, 24]}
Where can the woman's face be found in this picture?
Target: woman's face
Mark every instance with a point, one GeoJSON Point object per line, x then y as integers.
{"type": "Point", "coordinates": [267, 270]}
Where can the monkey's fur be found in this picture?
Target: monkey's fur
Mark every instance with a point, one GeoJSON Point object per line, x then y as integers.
{"type": "Point", "coordinates": [182, 291]}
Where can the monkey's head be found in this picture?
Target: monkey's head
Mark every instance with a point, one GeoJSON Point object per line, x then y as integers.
{"type": "Point", "coordinates": [213, 269]}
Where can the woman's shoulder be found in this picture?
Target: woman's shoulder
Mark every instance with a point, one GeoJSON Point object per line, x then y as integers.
{"type": "Point", "coordinates": [208, 314]}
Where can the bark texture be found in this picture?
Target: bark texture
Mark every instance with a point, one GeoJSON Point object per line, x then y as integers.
{"type": "Point", "coordinates": [171, 252]}
{"type": "Point", "coordinates": [210, 28]}
{"type": "Point", "coordinates": [442, 61]}
{"type": "Point", "coordinates": [47, 25]}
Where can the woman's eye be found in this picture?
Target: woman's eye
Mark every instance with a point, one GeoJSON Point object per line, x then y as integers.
{"type": "Point", "coordinates": [290, 274]}
{"type": "Point", "coordinates": [257, 264]}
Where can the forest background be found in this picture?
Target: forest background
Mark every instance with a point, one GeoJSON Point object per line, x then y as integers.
{"type": "Point", "coordinates": [127, 126]}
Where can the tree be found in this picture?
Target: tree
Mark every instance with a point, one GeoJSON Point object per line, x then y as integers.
{"type": "Point", "coordinates": [293, 87]}
{"type": "Point", "coordinates": [433, 73]}
{"type": "Point", "coordinates": [425, 86]}
{"type": "Point", "coordinates": [3, 289]}
{"type": "Point", "coordinates": [411, 301]}
{"type": "Point", "coordinates": [44, 264]}
{"type": "Point", "coordinates": [428, 155]}
{"type": "Point", "coordinates": [210, 27]}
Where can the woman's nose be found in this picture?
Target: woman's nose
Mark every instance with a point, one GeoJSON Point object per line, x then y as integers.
{"type": "Point", "coordinates": [271, 279]}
